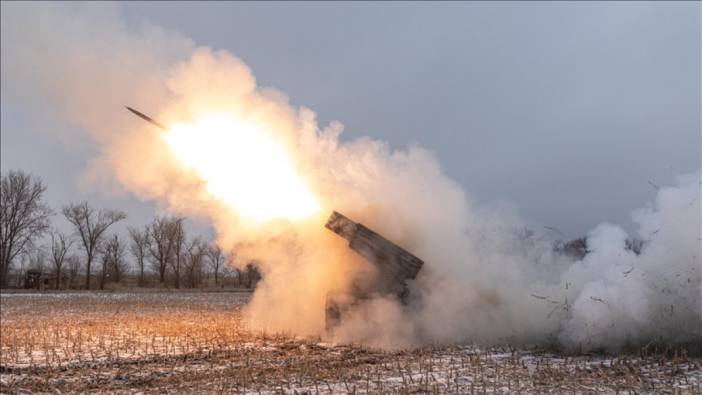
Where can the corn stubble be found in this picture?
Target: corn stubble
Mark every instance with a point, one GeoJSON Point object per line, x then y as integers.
{"type": "Point", "coordinates": [198, 342]}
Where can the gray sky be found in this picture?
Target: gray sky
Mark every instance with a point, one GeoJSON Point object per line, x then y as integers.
{"type": "Point", "coordinates": [564, 110]}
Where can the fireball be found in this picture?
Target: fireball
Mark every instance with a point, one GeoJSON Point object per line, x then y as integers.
{"type": "Point", "coordinates": [244, 166]}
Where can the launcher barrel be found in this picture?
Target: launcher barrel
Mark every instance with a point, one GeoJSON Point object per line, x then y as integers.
{"type": "Point", "coordinates": [395, 264]}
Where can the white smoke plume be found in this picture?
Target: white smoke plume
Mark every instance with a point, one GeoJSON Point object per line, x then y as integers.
{"type": "Point", "coordinates": [483, 280]}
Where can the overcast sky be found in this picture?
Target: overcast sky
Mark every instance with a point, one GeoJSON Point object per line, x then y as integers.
{"type": "Point", "coordinates": [564, 110]}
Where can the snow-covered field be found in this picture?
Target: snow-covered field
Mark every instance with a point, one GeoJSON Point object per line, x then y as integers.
{"type": "Point", "coordinates": [197, 342]}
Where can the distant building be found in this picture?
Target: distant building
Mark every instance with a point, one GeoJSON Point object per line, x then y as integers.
{"type": "Point", "coordinates": [35, 279]}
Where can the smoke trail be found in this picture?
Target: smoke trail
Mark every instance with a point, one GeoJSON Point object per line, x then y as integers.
{"type": "Point", "coordinates": [483, 280]}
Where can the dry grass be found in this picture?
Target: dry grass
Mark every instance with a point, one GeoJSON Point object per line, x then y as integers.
{"type": "Point", "coordinates": [174, 342]}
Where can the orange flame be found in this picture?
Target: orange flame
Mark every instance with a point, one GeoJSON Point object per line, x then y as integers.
{"type": "Point", "coordinates": [244, 166]}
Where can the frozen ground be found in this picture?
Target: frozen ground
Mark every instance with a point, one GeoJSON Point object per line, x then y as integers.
{"type": "Point", "coordinates": [197, 342]}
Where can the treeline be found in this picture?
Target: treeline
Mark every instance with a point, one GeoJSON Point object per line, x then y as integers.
{"type": "Point", "coordinates": [34, 254]}
{"type": "Point", "coordinates": [576, 248]}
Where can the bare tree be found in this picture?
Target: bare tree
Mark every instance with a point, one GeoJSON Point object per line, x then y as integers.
{"type": "Point", "coordinates": [251, 274]}
{"type": "Point", "coordinates": [139, 247]}
{"type": "Point", "coordinates": [60, 244]}
{"type": "Point", "coordinates": [104, 270]}
{"type": "Point", "coordinates": [21, 272]}
{"type": "Point", "coordinates": [215, 259]}
{"type": "Point", "coordinates": [195, 254]}
{"type": "Point", "coordinates": [74, 267]}
{"type": "Point", "coordinates": [37, 262]}
{"type": "Point", "coordinates": [113, 263]}
{"type": "Point", "coordinates": [90, 225]}
{"type": "Point", "coordinates": [231, 273]}
{"type": "Point", "coordinates": [179, 239]}
{"type": "Point", "coordinates": [23, 217]}
{"type": "Point", "coordinates": [161, 243]}
{"type": "Point", "coordinates": [37, 259]}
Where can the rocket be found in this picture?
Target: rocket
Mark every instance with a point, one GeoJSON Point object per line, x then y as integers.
{"type": "Point", "coordinates": [146, 118]}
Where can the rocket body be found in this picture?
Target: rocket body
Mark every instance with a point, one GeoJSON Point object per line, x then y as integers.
{"type": "Point", "coordinates": [146, 118]}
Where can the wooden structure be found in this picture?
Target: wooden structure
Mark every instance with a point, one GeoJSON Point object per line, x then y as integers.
{"type": "Point", "coordinates": [35, 279]}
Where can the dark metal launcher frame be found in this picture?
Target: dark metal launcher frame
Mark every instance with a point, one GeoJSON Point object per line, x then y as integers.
{"type": "Point", "coordinates": [395, 266]}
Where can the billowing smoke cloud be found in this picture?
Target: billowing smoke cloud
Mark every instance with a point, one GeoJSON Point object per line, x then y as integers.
{"type": "Point", "coordinates": [485, 279]}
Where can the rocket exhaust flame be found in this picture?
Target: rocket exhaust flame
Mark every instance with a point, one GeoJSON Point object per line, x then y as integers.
{"type": "Point", "coordinates": [242, 165]}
